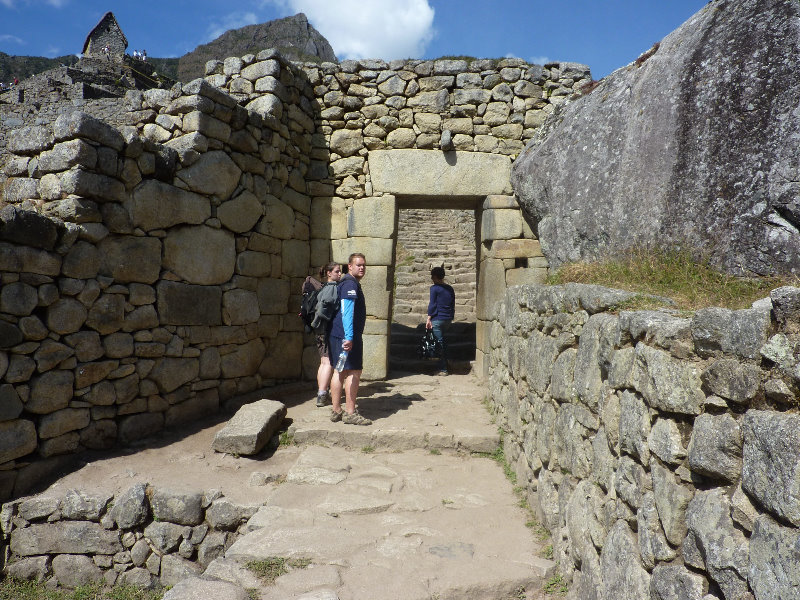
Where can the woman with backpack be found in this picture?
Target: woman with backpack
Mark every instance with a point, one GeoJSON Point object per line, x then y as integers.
{"type": "Point", "coordinates": [331, 272]}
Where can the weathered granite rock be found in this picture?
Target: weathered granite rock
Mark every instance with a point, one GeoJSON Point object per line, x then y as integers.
{"type": "Point", "coordinates": [665, 441]}
{"type": "Point", "coordinates": [634, 426]}
{"type": "Point", "coordinates": [183, 508]}
{"type": "Point", "coordinates": [165, 537]}
{"type": "Point", "coordinates": [185, 304]}
{"type": "Point", "coordinates": [17, 439]}
{"type": "Point", "coordinates": [78, 505]}
{"type": "Point", "coordinates": [667, 384]}
{"type": "Point", "coordinates": [771, 467]}
{"type": "Point", "coordinates": [653, 545]}
{"type": "Point", "coordinates": [774, 569]}
{"type": "Point", "coordinates": [65, 537]}
{"type": "Point", "coordinates": [73, 570]}
{"type": "Point", "coordinates": [250, 428]}
{"type": "Point", "coordinates": [715, 448]}
{"type": "Point", "coordinates": [623, 575]}
{"type": "Point", "coordinates": [171, 373]}
{"type": "Point", "coordinates": [28, 228]}
{"type": "Point", "coordinates": [738, 332]}
{"type": "Point", "coordinates": [82, 125]}
{"type": "Point", "coordinates": [157, 205]}
{"type": "Point", "coordinates": [674, 582]}
{"type": "Point", "coordinates": [732, 380]}
{"type": "Point", "coordinates": [131, 259]}
{"type": "Point", "coordinates": [723, 547]}
{"type": "Point", "coordinates": [200, 255]}
{"type": "Point", "coordinates": [225, 514]}
{"type": "Point", "coordinates": [204, 588]}
{"type": "Point", "coordinates": [241, 213]}
{"type": "Point", "coordinates": [131, 508]}
{"type": "Point", "coordinates": [786, 308]}
{"type": "Point", "coordinates": [214, 174]}
{"type": "Point", "coordinates": [700, 90]}
{"type": "Point", "coordinates": [671, 499]}
{"type": "Point", "coordinates": [35, 568]}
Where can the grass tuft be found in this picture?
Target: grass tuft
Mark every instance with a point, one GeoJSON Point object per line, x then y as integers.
{"type": "Point", "coordinates": [556, 585]}
{"type": "Point", "coordinates": [692, 284]}
{"type": "Point", "coordinates": [272, 567]}
{"type": "Point", "coordinates": [15, 589]}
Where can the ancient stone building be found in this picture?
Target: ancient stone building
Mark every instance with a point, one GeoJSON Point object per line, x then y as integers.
{"type": "Point", "coordinates": [152, 250]}
{"type": "Point", "coordinates": [106, 40]}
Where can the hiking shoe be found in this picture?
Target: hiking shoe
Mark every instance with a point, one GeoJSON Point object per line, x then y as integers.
{"type": "Point", "coordinates": [322, 399]}
{"type": "Point", "coordinates": [336, 416]}
{"type": "Point", "coordinates": [442, 373]}
{"type": "Point", "coordinates": [355, 419]}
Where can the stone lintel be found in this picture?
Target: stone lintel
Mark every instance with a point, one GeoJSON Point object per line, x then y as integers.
{"type": "Point", "coordinates": [435, 173]}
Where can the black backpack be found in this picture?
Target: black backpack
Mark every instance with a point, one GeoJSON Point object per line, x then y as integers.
{"type": "Point", "coordinates": [311, 288]}
{"type": "Point", "coordinates": [318, 307]}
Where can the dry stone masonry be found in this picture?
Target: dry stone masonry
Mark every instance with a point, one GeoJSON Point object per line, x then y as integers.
{"type": "Point", "coordinates": [144, 537]}
{"type": "Point", "coordinates": [151, 259]}
{"type": "Point", "coordinates": [661, 451]}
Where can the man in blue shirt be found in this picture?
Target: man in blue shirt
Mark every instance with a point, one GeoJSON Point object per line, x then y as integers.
{"type": "Point", "coordinates": [346, 333]}
{"type": "Point", "coordinates": [441, 310]}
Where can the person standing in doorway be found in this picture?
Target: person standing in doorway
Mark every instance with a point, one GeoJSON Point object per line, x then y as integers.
{"type": "Point", "coordinates": [331, 272]}
{"type": "Point", "coordinates": [441, 311]}
{"type": "Point", "coordinates": [347, 336]}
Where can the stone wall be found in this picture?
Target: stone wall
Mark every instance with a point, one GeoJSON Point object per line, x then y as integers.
{"type": "Point", "coordinates": [151, 259]}
{"type": "Point", "coordinates": [145, 537]}
{"type": "Point", "coordinates": [149, 273]}
{"type": "Point", "coordinates": [661, 451]}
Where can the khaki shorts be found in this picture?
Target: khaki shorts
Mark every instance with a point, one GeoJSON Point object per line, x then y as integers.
{"type": "Point", "coordinates": [322, 346]}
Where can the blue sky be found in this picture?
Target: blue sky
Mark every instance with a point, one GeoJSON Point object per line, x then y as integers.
{"type": "Point", "coordinates": [604, 34]}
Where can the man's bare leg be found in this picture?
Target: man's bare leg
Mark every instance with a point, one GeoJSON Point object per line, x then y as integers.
{"type": "Point", "coordinates": [336, 390]}
{"type": "Point", "coordinates": [324, 373]}
{"type": "Point", "coordinates": [352, 379]}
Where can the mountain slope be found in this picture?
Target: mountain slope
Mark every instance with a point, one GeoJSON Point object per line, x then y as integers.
{"type": "Point", "coordinates": [23, 67]}
{"type": "Point", "coordinates": [293, 36]}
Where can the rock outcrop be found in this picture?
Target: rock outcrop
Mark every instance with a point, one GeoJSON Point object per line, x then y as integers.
{"type": "Point", "coordinates": [694, 145]}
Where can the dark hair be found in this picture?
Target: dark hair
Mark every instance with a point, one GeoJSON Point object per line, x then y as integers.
{"type": "Point", "coordinates": [356, 255]}
{"type": "Point", "coordinates": [437, 272]}
{"type": "Point", "coordinates": [323, 271]}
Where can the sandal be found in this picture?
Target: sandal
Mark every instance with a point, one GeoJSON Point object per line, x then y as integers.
{"type": "Point", "coordinates": [355, 418]}
{"type": "Point", "coordinates": [336, 416]}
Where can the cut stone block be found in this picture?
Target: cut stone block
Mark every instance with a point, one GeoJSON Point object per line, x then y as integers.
{"type": "Point", "coordinates": [250, 428]}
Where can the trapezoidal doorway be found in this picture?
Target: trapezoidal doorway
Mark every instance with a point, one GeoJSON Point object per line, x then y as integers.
{"type": "Point", "coordinates": [427, 238]}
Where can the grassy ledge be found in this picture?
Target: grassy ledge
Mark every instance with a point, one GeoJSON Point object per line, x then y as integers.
{"type": "Point", "coordinates": [675, 274]}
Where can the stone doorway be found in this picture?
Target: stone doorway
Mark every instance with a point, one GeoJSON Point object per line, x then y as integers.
{"type": "Point", "coordinates": [507, 251]}
{"type": "Point", "coordinates": [428, 237]}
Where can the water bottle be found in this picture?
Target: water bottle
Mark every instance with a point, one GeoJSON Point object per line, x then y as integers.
{"type": "Point", "coordinates": [341, 361]}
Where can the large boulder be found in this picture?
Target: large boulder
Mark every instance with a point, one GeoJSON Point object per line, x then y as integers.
{"type": "Point", "coordinates": [693, 144]}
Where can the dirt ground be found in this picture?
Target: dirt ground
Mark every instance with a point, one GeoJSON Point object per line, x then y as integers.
{"type": "Point", "coordinates": [183, 459]}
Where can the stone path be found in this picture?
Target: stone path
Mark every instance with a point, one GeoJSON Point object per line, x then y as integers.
{"type": "Point", "coordinates": [401, 509]}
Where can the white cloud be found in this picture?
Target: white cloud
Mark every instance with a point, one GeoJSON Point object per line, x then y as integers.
{"type": "Point", "coordinates": [11, 38]}
{"type": "Point", "coordinates": [369, 29]}
{"type": "Point", "coordinates": [539, 60]}
{"type": "Point", "coordinates": [53, 3]}
{"type": "Point", "coordinates": [232, 21]}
